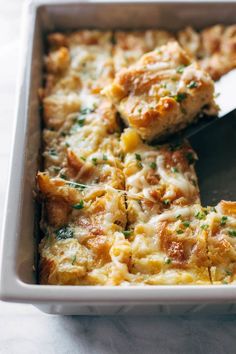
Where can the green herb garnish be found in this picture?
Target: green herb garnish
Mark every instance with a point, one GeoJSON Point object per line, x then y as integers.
{"type": "Point", "coordinates": [77, 185]}
{"type": "Point", "coordinates": [138, 157]}
{"type": "Point", "coordinates": [81, 122]}
{"type": "Point", "coordinates": [192, 84]}
{"type": "Point", "coordinates": [64, 232]}
{"type": "Point", "coordinates": [73, 260]}
{"type": "Point", "coordinates": [232, 233]}
{"type": "Point", "coordinates": [174, 170]}
{"type": "Point", "coordinates": [186, 223]}
{"type": "Point", "coordinates": [63, 176]}
{"type": "Point", "coordinates": [153, 165]}
{"type": "Point", "coordinates": [166, 201]}
{"type": "Point", "coordinates": [52, 152]}
{"type": "Point", "coordinates": [168, 261]}
{"type": "Point", "coordinates": [204, 226]}
{"type": "Point", "coordinates": [127, 233]}
{"type": "Point", "coordinates": [179, 232]}
{"type": "Point", "coordinates": [223, 220]}
{"type": "Point", "coordinates": [104, 158]}
{"type": "Point", "coordinates": [86, 111]}
{"type": "Point", "coordinates": [83, 158]}
{"type": "Point", "coordinates": [180, 69]}
{"type": "Point", "coordinates": [79, 205]}
{"type": "Point", "coordinates": [180, 97]}
{"type": "Point", "coordinates": [200, 215]}
{"type": "Point", "coordinates": [95, 161]}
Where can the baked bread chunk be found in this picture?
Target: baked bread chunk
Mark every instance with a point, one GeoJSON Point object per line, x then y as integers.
{"type": "Point", "coordinates": [170, 249]}
{"type": "Point", "coordinates": [162, 93]}
{"type": "Point", "coordinates": [157, 178]}
{"type": "Point", "coordinates": [214, 48]}
{"type": "Point", "coordinates": [220, 228]}
{"type": "Point", "coordinates": [82, 227]}
{"type": "Point", "coordinates": [130, 46]}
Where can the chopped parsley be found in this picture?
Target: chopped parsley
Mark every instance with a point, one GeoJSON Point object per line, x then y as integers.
{"type": "Point", "coordinates": [228, 272]}
{"type": "Point", "coordinates": [56, 169]}
{"type": "Point", "coordinates": [168, 261]}
{"type": "Point", "coordinates": [180, 69]}
{"type": "Point", "coordinates": [67, 144]}
{"type": "Point", "coordinates": [85, 111]}
{"type": "Point", "coordinates": [223, 220]}
{"type": "Point", "coordinates": [174, 170]}
{"type": "Point", "coordinates": [179, 232]}
{"type": "Point", "coordinates": [138, 157]}
{"type": "Point", "coordinates": [81, 122]}
{"type": "Point", "coordinates": [63, 176]}
{"type": "Point", "coordinates": [52, 152]}
{"type": "Point", "coordinates": [127, 233]}
{"type": "Point", "coordinates": [73, 260]}
{"type": "Point", "coordinates": [77, 185]}
{"type": "Point", "coordinates": [64, 232]}
{"type": "Point", "coordinates": [153, 165]}
{"type": "Point", "coordinates": [186, 223]}
{"type": "Point", "coordinates": [192, 84]}
{"type": "Point", "coordinates": [79, 205]}
{"type": "Point", "coordinates": [232, 233]}
{"type": "Point", "coordinates": [204, 226]}
{"type": "Point", "coordinates": [200, 215]}
{"type": "Point", "coordinates": [104, 158]}
{"type": "Point", "coordinates": [166, 202]}
{"type": "Point", "coordinates": [83, 158]}
{"type": "Point", "coordinates": [180, 97]}
{"type": "Point", "coordinates": [139, 110]}
{"type": "Point", "coordinates": [95, 161]}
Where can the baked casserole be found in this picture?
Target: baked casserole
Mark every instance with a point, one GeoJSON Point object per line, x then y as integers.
{"type": "Point", "coordinates": [117, 210]}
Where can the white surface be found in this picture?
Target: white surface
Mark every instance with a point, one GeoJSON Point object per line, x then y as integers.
{"type": "Point", "coordinates": [23, 329]}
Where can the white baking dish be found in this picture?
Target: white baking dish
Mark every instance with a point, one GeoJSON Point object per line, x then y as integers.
{"type": "Point", "coordinates": [18, 280]}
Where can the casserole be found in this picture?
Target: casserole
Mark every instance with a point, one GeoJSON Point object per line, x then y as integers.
{"type": "Point", "coordinates": [18, 282]}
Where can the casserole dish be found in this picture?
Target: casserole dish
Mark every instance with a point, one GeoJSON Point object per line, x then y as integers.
{"type": "Point", "coordinates": [18, 280]}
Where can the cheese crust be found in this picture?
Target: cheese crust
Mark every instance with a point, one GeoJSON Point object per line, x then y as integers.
{"type": "Point", "coordinates": [115, 210]}
{"type": "Point", "coordinates": [162, 92]}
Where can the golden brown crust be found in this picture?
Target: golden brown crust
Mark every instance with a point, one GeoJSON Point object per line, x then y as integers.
{"type": "Point", "coordinates": [214, 48]}
{"type": "Point", "coordinates": [162, 93]}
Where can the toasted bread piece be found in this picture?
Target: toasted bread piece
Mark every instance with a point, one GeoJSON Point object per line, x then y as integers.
{"type": "Point", "coordinates": [162, 93]}
{"type": "Point", "coordinates": [130, 46]}
{"type": "Point", "coordinates": [214, 48]}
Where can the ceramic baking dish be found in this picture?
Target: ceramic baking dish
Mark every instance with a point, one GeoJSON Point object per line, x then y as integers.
{"type": "Point", "coordinates": [19, 246]}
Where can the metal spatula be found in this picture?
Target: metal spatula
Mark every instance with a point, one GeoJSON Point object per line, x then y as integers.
{"type": "Point", "coordinates": [216, 168]}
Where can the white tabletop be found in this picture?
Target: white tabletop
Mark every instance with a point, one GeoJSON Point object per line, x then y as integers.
{"type": "Point", "coordinates": [24, 329]}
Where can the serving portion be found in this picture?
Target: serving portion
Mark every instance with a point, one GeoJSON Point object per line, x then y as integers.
{"type": "Point", "coordinates": [117, 211]}
{"type": "Point", "coordinates": [162, 92]}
